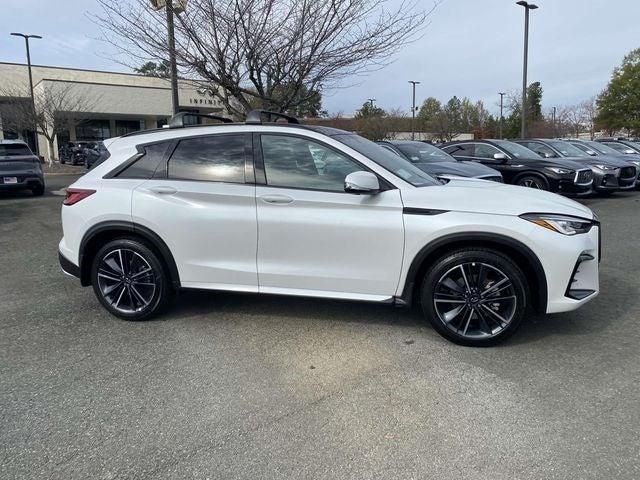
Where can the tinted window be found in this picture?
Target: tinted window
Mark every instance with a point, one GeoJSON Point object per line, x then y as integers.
{"type": "Point", "coordinates": [420, 152]}
{"type": "Point", "coordinates": [14, 150]}
{"type": "Point", "coordinates": [484, 150]}
{"type": "Point", "coordinates": [300, 163]}
{"type": "Point", "coordinates": [146, 165]}
{"type": "Point", "coordinates": [540, 149]}
{"type": "Point", "coordinates": [218, 158]}
{"type": "Point", "coordinates": [566, 149]}
{"type": "Point", "coordinates": [517, 150]}
{"type": "Point", "coordinates": [460, 150]}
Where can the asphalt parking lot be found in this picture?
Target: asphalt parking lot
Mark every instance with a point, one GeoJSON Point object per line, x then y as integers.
{"type": "Point", "coordinates": [249, 387]}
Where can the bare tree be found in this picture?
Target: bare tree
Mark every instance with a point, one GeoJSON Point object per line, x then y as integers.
{"type": "Point", "coordinates": [59, 107]}
{"type": "Point", "coordinates": [278, 51]}
{"type": "Point", "coordinates": [589, 113]}
{"type": "Point", "coordinates": [573, 115]}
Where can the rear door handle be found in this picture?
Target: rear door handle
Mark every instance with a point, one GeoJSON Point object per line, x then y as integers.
{"type": "Point", "coordinates": [276, 199]}
{"type": "Point", "coordinates": [163, 190]}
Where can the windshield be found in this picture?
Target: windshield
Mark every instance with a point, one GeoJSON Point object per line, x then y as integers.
{"type": "Point", "coordinates": [602, 148]}
{"type": "Point", "coordinates": [388, 160]}
{"type": "Point", "coordinates": [566, 149]}
{"type": "Point", "coordinates": [420, 152]}
{"type": "Point", "coordinates": [14, 150]}
{"type": "Point", "coordinates": [516, 149]}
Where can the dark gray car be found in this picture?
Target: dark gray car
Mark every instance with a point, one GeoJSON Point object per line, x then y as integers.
{"type": "Point", "coordinates": [20, 169]}
{"type": "Point", "coordinates": [610, 174]}
{"type": "Point", "coordinates": [439, 163]}
{"type": "Point", "coordinates": [599, 149]}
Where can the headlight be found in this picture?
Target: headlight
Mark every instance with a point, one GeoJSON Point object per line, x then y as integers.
{"type": "Point", "coordinates": [560, 171]}
{"type": "Point", "coordinates": [564, 224]}
{"type": "Point", "coordinates": [605, 167]}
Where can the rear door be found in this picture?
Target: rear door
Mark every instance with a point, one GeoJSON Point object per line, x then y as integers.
{"type": "Point", "coordinates": [202, 204]}
{"type": "Point", "coordinates": [313, 237]}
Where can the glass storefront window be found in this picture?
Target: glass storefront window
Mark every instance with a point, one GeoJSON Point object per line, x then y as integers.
{"type": "Point", "coordinates": [127, 126]}
{"type": "Point", "coordinates": [93, 130]}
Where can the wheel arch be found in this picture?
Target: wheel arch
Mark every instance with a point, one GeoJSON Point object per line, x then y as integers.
{"type": "Point", "coordinates": [104, 232]}
{"type": "Point", "coordinates": [532, 173]}
{"type": "Point", "coordinates": [522, 255]}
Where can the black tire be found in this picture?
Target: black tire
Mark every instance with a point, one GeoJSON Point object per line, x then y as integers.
{"type": "Point", "coordinates": [38, 191]}
{"type": "Point", "coordinates": [533, 181]}
{"type": "Point", "coordinates": [481, 321]}
{"type": "Point", "coordinates": [131, 286]}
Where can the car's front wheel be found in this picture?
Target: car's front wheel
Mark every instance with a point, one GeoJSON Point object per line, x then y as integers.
{"type": "Point", "coordinates": [474, 297]}
{"type": "Point", "coordinates": [533, 181]}
{"type": "Point", "coordinates": [129, 280]}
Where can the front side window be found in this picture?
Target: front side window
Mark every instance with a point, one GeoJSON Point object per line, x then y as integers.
{"type": "Point", "coordinates": [566, 149]}
{"type": "Point", "coordinates": [515, 149]}
{"type": "Point", "coordinates": [216, 158]}
{"type": "Point", "coordinates": [484, 150]}
{"type": "Point", "coordinates": [292, 162]}
{"type": "Point", "coordinates": [540, 149]}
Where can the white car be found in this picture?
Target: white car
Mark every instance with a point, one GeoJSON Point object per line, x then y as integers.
{"type": "Point", "coordinates": [283, 208]}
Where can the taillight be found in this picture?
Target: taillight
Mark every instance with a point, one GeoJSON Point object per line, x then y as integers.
{"type": "Point", "coordinates": [74, 195]}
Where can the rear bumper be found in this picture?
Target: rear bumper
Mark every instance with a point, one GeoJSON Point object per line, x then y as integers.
{"type": "Point", "coordinates": [24, 183]}
{"type": "Point", "coordinates": [68, 266]}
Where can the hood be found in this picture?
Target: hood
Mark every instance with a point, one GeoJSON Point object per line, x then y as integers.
{"type": "Point", "coordinates": [461, 169]}
{"type": "Point", "coordinates": [613, 160]}
{"type": "Point", "coordinates": [573, 163]}
{"type": "Point", "coordinates": [482, 196]}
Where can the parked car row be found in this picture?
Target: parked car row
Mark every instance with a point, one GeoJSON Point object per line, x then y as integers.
{"type": "Point", "coordinates": [562, 166]}
{"type": "Point", "coordinates": [80, 153]}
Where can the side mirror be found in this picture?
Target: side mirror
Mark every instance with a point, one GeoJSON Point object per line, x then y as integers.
{"type": "Point", "coordinates": [361, 182]}
{"type": "Point", "coordinates": [591, 152]}
{"type": "Point", "coordinates": [548, 155]}
{"type": "Point", "coordinates": [501, 157]}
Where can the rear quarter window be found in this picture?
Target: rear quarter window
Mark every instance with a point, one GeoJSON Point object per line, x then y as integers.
{"type": "Point", "coordinates": [146, 165]}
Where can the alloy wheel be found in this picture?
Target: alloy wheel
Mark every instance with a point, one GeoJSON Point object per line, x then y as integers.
{"type": "Point", "coordinates": [530, 183]}
{"type": "Point", "coordinates": [475, 300]}
{"type": "Point", "coordinates": [126, 280]}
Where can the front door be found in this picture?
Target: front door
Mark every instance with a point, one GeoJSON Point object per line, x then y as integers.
{"type": "Point", "coordinates": [315, 239]}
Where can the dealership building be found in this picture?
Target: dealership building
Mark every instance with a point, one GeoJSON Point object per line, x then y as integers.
{"type": "Point", "coordinates": [116, 103]}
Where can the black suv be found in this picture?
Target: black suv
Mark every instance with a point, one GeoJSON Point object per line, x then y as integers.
{"type": "Point", "coordinates": [521, 166]}
{"type": "Point", "coordinates": [609, 173]}
{"type": "Point", "coordinates": [20, 169]}
{"type": "Point", "coordinates": [438, 163]}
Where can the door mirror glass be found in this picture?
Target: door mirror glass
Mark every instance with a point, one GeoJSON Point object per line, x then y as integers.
{"type": "Point", "coordinates": [361, 182]}
{"type": "Point", "coordinates": [501, 157]}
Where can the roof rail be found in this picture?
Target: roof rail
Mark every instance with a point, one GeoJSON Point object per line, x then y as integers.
{"type": "Point", "coordinates": [255, 117]}
{"type": "Point", "coordinates": [177, 121]}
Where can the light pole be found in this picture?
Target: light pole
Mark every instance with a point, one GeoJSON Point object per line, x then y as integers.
{"type": "Point", "coordinates": [553, 116]}
{"type": "Point", "coordinates": [502, 94]}
{"type": "Point", "coordinates": [33, 101]}
{"type": "Point", "coordinates": [413, 108]}
{"type": "Point", "coordinates": [527, 6]}
{"type": "Point", "coordinates": [171, 40]}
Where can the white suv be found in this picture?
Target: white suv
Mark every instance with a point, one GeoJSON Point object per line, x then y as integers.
{"type": "Point", "coordinates": [283, 208]}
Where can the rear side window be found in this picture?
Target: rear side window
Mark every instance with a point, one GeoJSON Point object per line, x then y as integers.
{"type": "Point", "coordinates": [147, 164]}
{"type": "Point", "coordinates": [218, 158]}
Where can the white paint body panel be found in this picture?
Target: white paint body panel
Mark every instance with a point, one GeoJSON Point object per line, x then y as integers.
{"type": "Point", "coordinates": [324, 244]}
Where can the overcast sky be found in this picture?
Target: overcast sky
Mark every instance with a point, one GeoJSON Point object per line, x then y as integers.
{"type": "Point", "coordinates": [471, 48]}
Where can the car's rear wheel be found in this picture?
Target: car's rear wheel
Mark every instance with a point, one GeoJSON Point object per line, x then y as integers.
{"type": "Point", "coordinates": [130, 281]}
{"type": "Point", "coordinates": [38, 191]}
{"type": "Point", "coordinates": [533, 181]}
{"type": "Point", "coordinates": [474, 297]}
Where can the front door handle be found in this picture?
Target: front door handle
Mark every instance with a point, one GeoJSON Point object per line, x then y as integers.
{"type": "Point", "coordinates": [163, 190]}
{"type": "Point", "coordinates": [276, 199]}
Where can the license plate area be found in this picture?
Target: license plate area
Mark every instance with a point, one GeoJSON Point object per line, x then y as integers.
{"type": "Point", "coordinates": [9, 180]}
